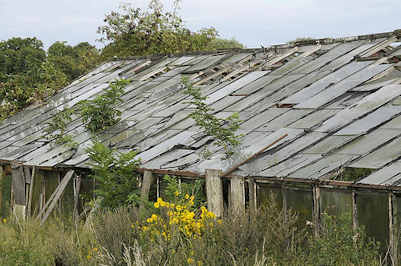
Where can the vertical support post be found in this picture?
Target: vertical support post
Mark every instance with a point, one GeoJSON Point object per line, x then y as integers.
{"type": "Point", "coordinates": [59, 203]}
{"type": "Point", "coordinates": [393, 228]}
{"type": "Point", "coordinates": [1, 187]}
{"type": "Point", "coordinates": [18, 185]}
{"type": "Point", "coordinates": [42, 194]}
{"type": "Point", "coordinates": [77, 188]}
{"type": "Point", "coordinates": [214, 192]}
{"type": "Point", "coordinates": [237, 202]}
{"type": "Point", "coordinates": [29, 204]}
{"type": "Point", "coordinates": [285, 207]}
{"type": "Point", "coordinates": [158, 187]}
{"type": "Point", "coordinates": [354, 212]}
{"type": "Point", "coordinates": [252, 196]}
{"type": "Point", "coordinates": [316, 209]}
{"type": "Point", "coordinates": [147, 181]}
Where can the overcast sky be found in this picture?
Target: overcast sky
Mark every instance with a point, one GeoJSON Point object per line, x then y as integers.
{"type": "Point", "coordinates": [252, 22]}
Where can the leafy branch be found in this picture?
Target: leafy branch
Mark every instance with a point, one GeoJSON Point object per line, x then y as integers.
{"type": "Point", "coordinates": [57, 127]}
{"type": "Point", "coordinates": [100, 113]}
{"type": "Point", "coordinates": [97, 114]}
{"type": "Point", "coordinates": [114, 173]}
{"type": "Point", "coordinates": [224, 130]}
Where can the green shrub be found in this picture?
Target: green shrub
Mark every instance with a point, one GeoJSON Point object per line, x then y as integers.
{"type": "Point", "coordinates": [101, 113]}
{"type": "Point", "coordinates": [122, 237]}
{"type": "Point", "coordinates": [338, 244]}
{"type": "Point", "coordinates": [223, 130]}
{"type": "Point", "coordinates": [114, 172]}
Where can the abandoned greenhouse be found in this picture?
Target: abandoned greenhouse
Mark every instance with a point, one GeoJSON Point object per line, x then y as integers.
{"type": "Point", "coordinates": [320, 126]}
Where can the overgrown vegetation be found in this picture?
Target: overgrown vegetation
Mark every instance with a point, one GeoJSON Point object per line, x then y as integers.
{"type": "Point", "coordinates": [101, 113]}
{"type": "Point", "coordinates": [28, 75]}
{"type": "Point", "coordinates": [223, 130]}
{"type": "Point", "coordinates": [114, 172]}
{"type": "Point", "coordinates": [155, 30]}
{"type": "Point", "coordinates": [97, 114]}
{"type": "Point", "coordinates": [57, 127]}
{"type": "Point", "coordinates": [176, 232]}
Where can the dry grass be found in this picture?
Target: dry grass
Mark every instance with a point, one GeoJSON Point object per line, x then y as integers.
{"type": "Point", "coordinates": [110, 239]}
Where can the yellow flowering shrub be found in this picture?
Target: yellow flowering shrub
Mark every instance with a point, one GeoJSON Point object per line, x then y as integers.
{"type": "Point", "coordinates": [179, 216]}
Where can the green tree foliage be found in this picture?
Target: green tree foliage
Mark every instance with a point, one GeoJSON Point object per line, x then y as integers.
{"type": "Point", "coordinates": [73, 61]}
{"type": "Point", "coordinates": [20, 56]}
{"type": "Point", "coordinates": [22, 67]}
{"type": "Point", "coordinates": [18, 91]}
{"type": "Point", "coordinates": [220, 43]}
{"type": "Point", "coordinates": [28, 75]}
{"type": "Point", "coordinates": [114, 173]}
{"type": "Point", "coordinates": [132, 31]}
{"type": "Point", "coordinates": [100, 113]}
{"type": "Point", "coordinates": [223, 130]}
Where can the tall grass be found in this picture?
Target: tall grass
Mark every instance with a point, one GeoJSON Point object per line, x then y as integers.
{"type": "Point", "coordinates": [118, 238]}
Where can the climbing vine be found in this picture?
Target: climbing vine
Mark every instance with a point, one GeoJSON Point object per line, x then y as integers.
{"type": "Point", "coordinates": [223, 130]}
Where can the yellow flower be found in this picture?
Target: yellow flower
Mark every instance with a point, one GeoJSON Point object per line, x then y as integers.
{"type": "Point", "coordinates": [95, 249]}
{"type": "Point", "coordinates": [4, 220]}
{"type": "Point", "coordinates": [157, 205]}
{"type": "Point", "coordinates": [177, 193]}
{"type": "Point", "coordinates": [192, 198]}
{"type": "Point", "coordinates": [89, 257]}
{"type": "Point", "coordinates": [211, 215]}
{"type": "Point", "coordinates": [186, 196]}
{"type": "Point", "coordinates": [190, 260]}
{"type": "Point", "coordinates": [219, 221]}
{"type": "Point", "coordinates": [133, 226]}
{"type": "Point", "coordinates": [154, 217]}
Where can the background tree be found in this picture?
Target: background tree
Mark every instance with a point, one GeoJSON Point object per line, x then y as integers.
{"type": "Point", "coordinates": [135, 32]}
{"type": "Point", "coordinates": [20, 56]}
{"type": "Point", "coordinates": [73, 61]}
{"type": "Point", "coordinates": [219, 43]}
{"type": "Point", "coordinates": [28, 75]}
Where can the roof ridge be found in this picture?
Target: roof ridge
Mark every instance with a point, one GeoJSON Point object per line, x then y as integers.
{"type": "Point", "coordinates": [291, 44]}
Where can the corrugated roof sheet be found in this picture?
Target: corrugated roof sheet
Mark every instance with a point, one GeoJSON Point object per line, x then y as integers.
{"type": "Point", "coordinates": [338, 103]}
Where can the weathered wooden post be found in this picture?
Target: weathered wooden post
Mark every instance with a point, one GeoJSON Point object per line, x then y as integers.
{"type": "Point", "coordinates": [30, 194]}
{"type": "Point", "coordinates": [147, 181]}
{"type": "Point", "coordinates": [237, 199]}
{"type": "Point", "coordinates": [316, 209]}
{"type": "Point", "coordinates": [252, 196]}
{"type": "Point", "coordinates": [158, 187]}
{"type": "Point", "coordinates": [18, 190]}
{"type": "Point", "coordinates": [1, 186]}
{"type": "Point", "coordinates": [354, 212]}
{"type": "Point", "coordinates": [214, 192]}
{"type": "Point", "coordinates": [285, 206]}
{"type": "Point", "coordinates": [77, 188]}
{"type": "Point", "coordinates": [393, 227]}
